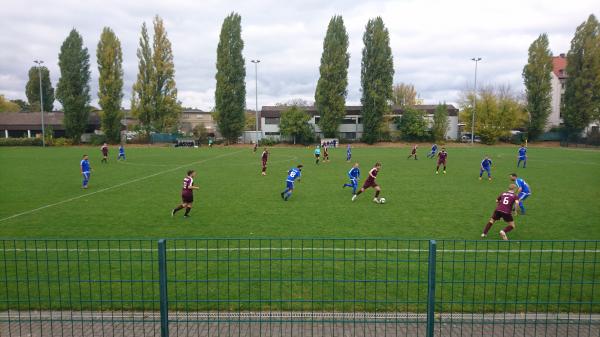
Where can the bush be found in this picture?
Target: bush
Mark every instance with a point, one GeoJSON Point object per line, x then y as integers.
{"type": "Point", "coordinates": [98, 139]}
{"type": "Point", "coordinates": [62, 142]}
{"type": "Point", "coordinates": [267, 142]}
{"type": "Point", "coordinates": [20, 142]}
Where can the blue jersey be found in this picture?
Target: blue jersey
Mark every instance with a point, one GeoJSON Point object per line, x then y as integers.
{"type": "Point", "coordinates": [293, 174]}
{"type": "Point", "coordinates": [318, 151]}
{"type": "Point", "coordinates": [121, 150]}
{"type": "Point", "coordinates": [349, 150]}
{"type": "Point", "coordinates": [354, 173]}
{"type": "Point", "coordinates": [434, 148]}
{"type": "Point", "coordinates": [85, 165]}
{"type": "Point", "coordinates": [522, 152]}
{"type": "Point", "coordinates": [522, 185]}
{"type": "Point", "coordinates": [486, 163]}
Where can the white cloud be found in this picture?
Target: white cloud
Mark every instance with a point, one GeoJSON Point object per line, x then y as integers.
{"type": "Point", "coordinates": [432, 41]}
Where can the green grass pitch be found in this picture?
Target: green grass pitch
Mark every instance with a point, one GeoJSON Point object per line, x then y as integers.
{"type": "Point", "coordinates": [133, 199]}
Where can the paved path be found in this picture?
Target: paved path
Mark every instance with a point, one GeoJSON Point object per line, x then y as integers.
{"type": "Point", "coordinates": [280, 324]}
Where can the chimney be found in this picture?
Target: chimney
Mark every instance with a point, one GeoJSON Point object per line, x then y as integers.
{"type": "Point", "coordinates": [562, 55]}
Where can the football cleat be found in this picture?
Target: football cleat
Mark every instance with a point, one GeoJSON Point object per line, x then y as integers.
{"type": "Point", "coordinates": [503, 235]}
{"type": "Point", "coordinates": [354, 197]}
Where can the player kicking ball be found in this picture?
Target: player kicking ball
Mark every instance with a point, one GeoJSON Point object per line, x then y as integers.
{"type": "Point", "coordinates": [370, 182]}
{"type": "Point", "coordinates": [293, 174]}
{"type": "Point", "coordinates": [442, 156]}
{"type": "Point", "coordinates": [187, 194]}
{"type": "Point", "coordinates": [505, 203]}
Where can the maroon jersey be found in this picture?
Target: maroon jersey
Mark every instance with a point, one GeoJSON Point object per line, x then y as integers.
{"type": "Point", "coordinates": [442, 157]}
{"type": "Point", "coordinates": [372, 173]}
{"type": "Point", "coordinates": [188, 182]}
{"type": "Point", "coordinates": [265, 156]}
{"type": "Point", "coordinates": [104, 149]}
{"type": "Point", "coordinates": [505, 202]}
{"type": "Point", "coordinates": [414, 149]}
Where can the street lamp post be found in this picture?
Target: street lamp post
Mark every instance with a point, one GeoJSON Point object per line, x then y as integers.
{"type": "Point", "coordinates": [39, 66]}
{"type": "Point", "coordinates": [256, 62]}
{"type": "Point", "coordinates": [476, 59]}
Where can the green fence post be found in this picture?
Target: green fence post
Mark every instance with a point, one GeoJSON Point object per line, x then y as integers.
{"type": "Point", "coordinates": [162, 284]}
{"type": "Point", "coordinates": [431, 288]}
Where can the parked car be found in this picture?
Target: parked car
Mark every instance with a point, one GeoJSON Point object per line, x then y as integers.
{"type": "Point", "coordinates": [466, 138]}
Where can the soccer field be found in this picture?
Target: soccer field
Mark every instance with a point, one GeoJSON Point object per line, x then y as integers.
{"type": "Point", "coordinates": [41, 195]}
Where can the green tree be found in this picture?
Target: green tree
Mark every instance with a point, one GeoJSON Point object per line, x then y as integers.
{"type": "Point", "coordinates": [73, 90]}
{"type": "Point", "coordinates": [250, 123]}
{"type": "Point", "coordinates": [581, 102]}
{"type": "Point", "coordinates": [440, 123]}
{"type": "Point", "coordinates": [412, 124]}
{"type": "Point", "coordinates": [331, 92]}
{"type": "Point", "coordinates": [230, 92]}
{"type": "Point", "coordinates": [32, 89]}
{"type": "Point", "coordinates": [166, 108]}
{"type": "Point", "coordinates": [497, 112]}
{"type": "Point", "coordinates": [8, 106]}
{"type": "Point", "coordinates": [538, 85]}
{"type": "Point", "coordinates": [377, 73]}
{"type": "Point", "coordinates": [404, 95]}
{"type": "Point", "coordinates": [200, 133]}
{"type": "Point", "coordinates": [141, 98]}
{"type": "Point", "coordinates": [24, 106]}
{"type": "Point", "coordinates": [294, 124]}
{"type": "Point", "coordinates": [110, 83]}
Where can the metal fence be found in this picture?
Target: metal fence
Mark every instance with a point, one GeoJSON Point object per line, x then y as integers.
{"type": "Point", "coordinates": [299, 287]}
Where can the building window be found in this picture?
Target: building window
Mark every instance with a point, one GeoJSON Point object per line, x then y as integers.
{"type": "Point", "coordinates": [348, 135]}
{"type": "Point", "coordinates": [349, 121]}
{"type": "Point", "coordinates": [360, 120]}
{"type": "Point", "coordinates": [272, 120]}
{"type": "Point", "coordinates": [317, 119]}
{"type": "Point", "coordinates": [272, 133]}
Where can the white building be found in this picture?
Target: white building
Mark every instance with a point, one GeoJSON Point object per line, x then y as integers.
{"type": "Point", "coordinates": [351, 127]}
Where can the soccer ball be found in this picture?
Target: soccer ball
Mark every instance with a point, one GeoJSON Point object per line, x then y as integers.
{"type": "Point", "coordinates": [382, 200]}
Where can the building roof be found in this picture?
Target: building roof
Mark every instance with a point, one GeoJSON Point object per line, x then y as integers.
{"type": "Point", "coordinates": [353, 110]}
{"type": "Point", "coordinates": [559, 66]}
{"type": "Point", "coordinates": [195, 111]}
{"type": "Point", "coordinates": [33, 120]}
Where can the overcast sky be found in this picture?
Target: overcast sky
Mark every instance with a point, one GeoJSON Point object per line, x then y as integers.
{"type": "Point", "coordinates": [432, 41]}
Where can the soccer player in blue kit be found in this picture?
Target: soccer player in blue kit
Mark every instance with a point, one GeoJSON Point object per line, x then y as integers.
{"type": "Point", "coordinates": [354, 175]}
{"type": "Point", "coordinates": [433, 151]}
{"type": "Point", "coordinates": [348, 153]}
{"type": "Point", "coordinates": [293, 174]}
{"type": "Point", "coordinates": [523, 191]}
{"type": "Point", "coordinates": [486, 165]}
{"type": "Point", "coordinates": [121, 152]}
{"type": "Point", "coordinates": [85, 171]}
{"type": "Point", "coordinates": [522, 156]}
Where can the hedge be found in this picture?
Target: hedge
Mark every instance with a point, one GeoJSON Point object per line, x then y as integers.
{"type": "Point", "coordinates": [20, 142]}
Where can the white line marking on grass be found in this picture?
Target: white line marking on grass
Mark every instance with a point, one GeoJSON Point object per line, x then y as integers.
{"type": "Point", "coordinates": [233, 249]}
{"type": "Point", "coordinates": [114, 186]}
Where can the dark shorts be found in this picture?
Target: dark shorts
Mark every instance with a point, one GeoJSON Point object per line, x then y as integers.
{"type": "Point", "coordinates": [368, 184]}
{"type": "Point", "coordinates": [441, 162]}
{"type": "Point", "coordinates": [187, 197]}
{"type": "Point", "coordinates": [413, 152]}
{"type": "Point", "coordinates": [501, 215]}
{"type": "Point", "coordinates": [317, 155]}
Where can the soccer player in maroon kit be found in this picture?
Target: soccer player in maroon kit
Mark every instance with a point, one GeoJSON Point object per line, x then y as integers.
{"type": "Point", "coordinates": [370, 182]}
{"type": "Point", "coordinates": [325, 153]}
{"type": "Point", "coordinates": [442, 156]}
{"type": "Point", "coordinates": [187, 194]}
{"type": "Point", "coordinates": [254, 147]}
{"type": "Point", "coordinates": [413, 152]}
{"type": "Point", "coordinates": [505, 203]}
{"type": "Point", "coordinates": [264, 157]}
{"type": "Point", "coordinates": [104, 149]}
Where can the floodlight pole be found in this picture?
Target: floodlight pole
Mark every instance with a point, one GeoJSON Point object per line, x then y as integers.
{"type": "Point", "coordinates": [256, 62]}
{"type": "Point", "coordinates": [39, 66]}
{"type": "Point", "coordinates": [476, 59]}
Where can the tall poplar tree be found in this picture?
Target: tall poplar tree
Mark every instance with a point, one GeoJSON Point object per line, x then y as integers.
{"type": "Point", "coordinates": [581, 102]}
{"type": "Point", "coordinates": [32, 89]}
{"type": "Point", "coordinates": [377, 73]}
{"type": "Point", "coordinates": [331, 92]}
{"type": "Point", "coordinates": [73, 89]}
{"type": "Point", "coordinates": [110, 83]}
{"type": "Point", "coordinates": [538, 85]}
{"type": "Point", "coordinates": [141, 98]}
{"type": "Point", "coordinates": [230, 92]}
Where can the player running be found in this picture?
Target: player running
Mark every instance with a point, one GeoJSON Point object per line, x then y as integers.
{"type": "Point", "coordinates": [522, 156]}
{"type": "Point", "coordinates": [505, 203]}
{"type": "Point", "coordinates": [254, 147]}
{"type": "Point", "coordinates": [85, 167]}
{"type": "Point", "coordinates": [121, 152]}
{"type": "Point", "coordinates": [431, 154]}
{"type": "Point", "coordinates": [293, 174]}
{"type": "Point", "coordinates": [370, 182]}
{"type": "Point", "coordinates": [413, 152]}
{"type": "Point", "coordinates": [104, 150]}
{"type": "Point", "coordinates": [317, 154]}
{"type": "Point", "coordinates": [442, 156]}
{"type": "Point", "coordinates": [264, 157]}
{"type": "Point", "coordinates": [523, 192]}
{"type": "Point", "coordinates": [325, 153]}
{"type": "Point", "coordinates": [486, 165]}
{"type": "Point", "coordinates": [354, 175]}
{"type": "Point", "coordinates": [348, 153]}
{"type": "Point", "coordinates": [187, 194]}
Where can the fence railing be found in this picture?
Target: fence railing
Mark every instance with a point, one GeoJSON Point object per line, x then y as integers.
{"type": "Point", "coordinates": [299, 287]}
